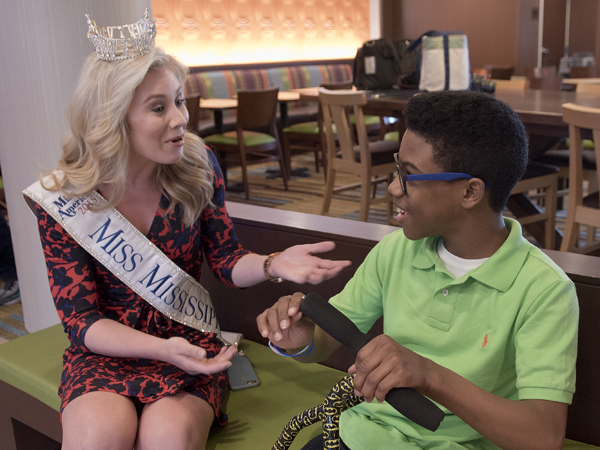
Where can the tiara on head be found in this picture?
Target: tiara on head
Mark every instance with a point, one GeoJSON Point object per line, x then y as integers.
{"type": "Point", "coordinates": [140, 39]}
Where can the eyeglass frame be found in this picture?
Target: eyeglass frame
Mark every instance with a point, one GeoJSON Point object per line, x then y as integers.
{"type": "Point", "coordinates": [439, 176]}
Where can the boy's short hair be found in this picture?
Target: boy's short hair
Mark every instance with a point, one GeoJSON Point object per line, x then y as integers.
{"type": "Point", "coordinates": [473, 133]}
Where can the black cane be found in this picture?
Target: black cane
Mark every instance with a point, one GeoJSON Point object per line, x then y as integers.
{"type": "Point", "coordinates": [407, 401]}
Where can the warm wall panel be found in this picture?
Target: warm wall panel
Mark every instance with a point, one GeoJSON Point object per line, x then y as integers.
{"type": "Point", "coordinates": [218, 32]}
{"type": "Point", "coordinates": [491, 26]}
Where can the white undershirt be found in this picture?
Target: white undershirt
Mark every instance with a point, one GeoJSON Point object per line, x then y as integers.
{"type": "Point", "coordinates": [457, 266]}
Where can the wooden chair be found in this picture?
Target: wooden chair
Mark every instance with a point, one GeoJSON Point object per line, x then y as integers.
{"type": "Point", "coordinates": [541, 72]}
{"type": "Point", "coordinates": [193, 107]}
{"type": "Point", "coordinates": [583, 72]}
{"type": "Point", "coordinates": [588, 88]}
{"type": "Point", "coordinates": [581, 210]}
{"type": "Point", "coordinates": [309, 136]}
{"type": "Point", "coordinates": [372, 162]}
{"type": "Point", "coordinates": [559, 156]}
{"type": "Point", "coordinates": [256, 139]}
{"type": "Point", "coordinates": [542, 178]}
{"type": "Point", "coordinates": [501, 72]}
{"type": "Point", "coordinates": [548, 83]}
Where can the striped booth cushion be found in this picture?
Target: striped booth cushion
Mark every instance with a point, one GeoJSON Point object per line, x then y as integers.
{"type": "Point", "coordinates": [225, 83]}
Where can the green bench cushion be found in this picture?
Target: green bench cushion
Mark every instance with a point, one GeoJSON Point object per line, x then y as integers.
{"type": "Point", "coordinates": [304, 128]}
{"type": "Point", "coordinates": [33, 364]}
{"type": "Point", "coordinates": [392, 136]}
{"type": "Point", "coordinates": [369, 120]}
{"type": "Point", "coordinates": [251, 138]}
{"type": "Point", "coordinates": [258, 415]}
{"type": "Point", "coordinates": [225, 83]}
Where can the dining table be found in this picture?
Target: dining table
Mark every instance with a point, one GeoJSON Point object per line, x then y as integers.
{"type": "Point", "coordinates": [539, 110]}
{"type": "Point", "coordinates": [219, 105]}
{"type": "Point", "coordinates": [581, 81]}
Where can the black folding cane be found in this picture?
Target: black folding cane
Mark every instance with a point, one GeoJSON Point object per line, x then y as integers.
{"type": "Point", "coordinates": [407, 401]}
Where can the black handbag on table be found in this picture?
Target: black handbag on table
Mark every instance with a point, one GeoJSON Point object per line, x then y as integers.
{"type": "Point", "coordinates": [385, 64]}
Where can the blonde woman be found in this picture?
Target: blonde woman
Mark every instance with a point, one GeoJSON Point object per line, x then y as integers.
{"type": "Point", "coordinates": [137, 374]}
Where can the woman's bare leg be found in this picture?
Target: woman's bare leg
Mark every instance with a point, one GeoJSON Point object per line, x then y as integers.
{"type": "Point", "coordinates": [99, 420]}
{"type": "Point", "coordinates": [178, 422]}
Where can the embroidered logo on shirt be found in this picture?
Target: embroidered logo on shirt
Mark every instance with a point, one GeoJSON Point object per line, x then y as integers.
{"type": "Point", "coordinates": [485, 340]}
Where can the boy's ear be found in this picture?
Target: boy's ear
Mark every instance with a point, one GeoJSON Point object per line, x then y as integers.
{"type": "Point", "coordinates": [473, 193]}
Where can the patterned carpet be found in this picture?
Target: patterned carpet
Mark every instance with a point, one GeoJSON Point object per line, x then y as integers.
{"type": "Point", "coordinates": [305, 190]}
{"type": "Point", "coordinates": [11, 322]}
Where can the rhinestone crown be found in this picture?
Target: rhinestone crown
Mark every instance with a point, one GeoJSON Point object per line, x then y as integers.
{"type": "Point", "coordinates": [133, 40]}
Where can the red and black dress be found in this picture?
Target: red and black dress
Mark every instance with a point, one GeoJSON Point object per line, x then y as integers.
{"type": "Point", "coordinates": [84, 291]}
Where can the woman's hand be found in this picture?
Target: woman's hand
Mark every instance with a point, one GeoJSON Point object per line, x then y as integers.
{"type": "Point", "coordinates": [192, 359]}
{"type": "Point", "coordinates": [284, 325]}
{"type": "Point", "coordinates": [299, 265]}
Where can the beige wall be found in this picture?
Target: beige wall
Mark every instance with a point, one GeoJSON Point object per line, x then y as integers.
{"type": "Point", "coordinates": [585, 27]}
{"type": "Point", "coordinates": [491, 26]}
{"type": "Point", "coordinates": [500, 32]}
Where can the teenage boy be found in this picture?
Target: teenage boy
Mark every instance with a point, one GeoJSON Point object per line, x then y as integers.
{"type": "Point", "coordinates": [475, 317]}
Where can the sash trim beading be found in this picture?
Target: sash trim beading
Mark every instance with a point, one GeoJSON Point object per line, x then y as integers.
{"type": "Point", "coordinates": [120, 247]}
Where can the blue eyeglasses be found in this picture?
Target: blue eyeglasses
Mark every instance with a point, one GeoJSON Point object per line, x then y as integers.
{"type": "Point", "coordinates": [442, 176]}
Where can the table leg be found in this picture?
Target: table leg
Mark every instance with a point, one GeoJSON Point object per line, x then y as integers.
{"type": "Point", "coordinates": [283, 114]}
{"type": "Point", "coordinates": [218, 115]}
{"type": "Point", "coordinates": [284, 123]}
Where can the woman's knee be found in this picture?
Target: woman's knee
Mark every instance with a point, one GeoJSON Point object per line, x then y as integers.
{"type": "Point", "coordinates": [99, 420]}
{"type": "Point", "coordinates": [178, 422]}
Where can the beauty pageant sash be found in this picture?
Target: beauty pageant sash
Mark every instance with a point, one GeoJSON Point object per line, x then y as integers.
{"type": "Point", "coordinates": [129, 255]}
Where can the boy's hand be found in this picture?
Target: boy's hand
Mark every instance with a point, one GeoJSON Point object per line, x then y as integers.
{"type": "Point", "coordinates": [384, 364]}
{"type": "Point", "coordinates": [284, 324]}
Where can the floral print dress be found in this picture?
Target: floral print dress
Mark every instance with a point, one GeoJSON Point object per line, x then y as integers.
{"type": "Point", "coordinates": [84, 292]}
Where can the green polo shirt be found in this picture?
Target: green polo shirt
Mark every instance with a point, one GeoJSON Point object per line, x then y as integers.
{"type": "Point", "coordinates": [509, 326]}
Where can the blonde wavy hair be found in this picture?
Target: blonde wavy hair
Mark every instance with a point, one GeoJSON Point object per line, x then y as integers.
{"type": "Point", "coordinates": [96, 149]}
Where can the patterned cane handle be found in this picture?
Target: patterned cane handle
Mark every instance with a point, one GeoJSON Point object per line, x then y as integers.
{"type": "Point", "coordinates": [340, 398]}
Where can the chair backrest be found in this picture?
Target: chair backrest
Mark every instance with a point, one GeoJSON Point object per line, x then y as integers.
{"type": "Point", "coordinates": [546, 82]}
{"type": "Point", "coordinates": [501, 73]}
{"type": "Point", "coordinates": [257, 108]}
{"type": "Point", "coordinates": [337, 108]}
{"type": "Point", "coordinates": [583, 72]}
{"type": "Point", "coordinates": [517, 85]}
{"type": "Point", "coordinates": [578, 118]}
{"type": "Point", "coordinates": [193, 107]}
{"type": "Point", "coordinates": [588, 88]}
{"type": "Point", "coordinates": [339, 86]}
{"type": "Point", "coordinates": [541, 72]}
{"type": "Point", "coordinates": [344, 85]}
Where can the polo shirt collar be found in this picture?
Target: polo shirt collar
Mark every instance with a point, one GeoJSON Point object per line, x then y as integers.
{"type": "Point", "coordinates": [498, 272]}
